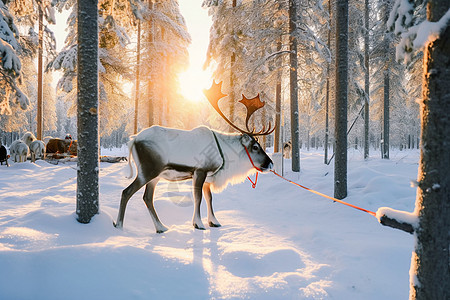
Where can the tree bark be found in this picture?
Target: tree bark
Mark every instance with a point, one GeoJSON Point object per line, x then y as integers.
{"type": "Point", "coordinates": [431, 260]}
{"type": "Point", "coordinates": [87, 111]}
{"type": "Point", "coordinates": [293, 62]}
{"type": "Point", "coordinates": [276, 145]}
{"type": "Point", "coordinates": [40, 86]}
{"type": "Point", "coordinates": [138, 77]}
{"type": "Point", "coordinates": [366, 79]}
{"type": "Point", "coordinates": [340, 163]}
{"type": "Point", "coordinates": [327, 97]}
{"type": "Point", "coordinates": [386, 93]}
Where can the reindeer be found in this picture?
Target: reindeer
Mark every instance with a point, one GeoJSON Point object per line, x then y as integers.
{"type": "Point", "coordinates": [212, 159]}
{"type": "Point", "coordinates": [37, 149]}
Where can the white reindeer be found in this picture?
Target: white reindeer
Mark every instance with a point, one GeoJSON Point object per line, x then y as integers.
{"type": "Point", "coordinates": [37, 149]}
{"type": "Point", "coordinates": [19, 151]}
{"type": "Point", "coordinates": [210, 158]}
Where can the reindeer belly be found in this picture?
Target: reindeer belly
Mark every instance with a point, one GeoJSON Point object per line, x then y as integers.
{"type": "Point", "coordinates": [174, 172]}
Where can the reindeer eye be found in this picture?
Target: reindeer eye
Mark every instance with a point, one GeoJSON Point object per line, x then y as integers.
{"type": "Point", "coordinates": [255, 147]}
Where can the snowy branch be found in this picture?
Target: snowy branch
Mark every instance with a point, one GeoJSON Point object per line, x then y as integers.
{"type": "Point", "coordinates": [397, 219]}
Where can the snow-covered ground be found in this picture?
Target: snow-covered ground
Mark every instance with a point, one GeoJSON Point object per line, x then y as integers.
{"type": "Point", "coordinates": [276, 241]}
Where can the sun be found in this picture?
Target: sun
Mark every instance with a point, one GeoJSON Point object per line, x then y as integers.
{"type": "Point", "coordinates": [193, 82]}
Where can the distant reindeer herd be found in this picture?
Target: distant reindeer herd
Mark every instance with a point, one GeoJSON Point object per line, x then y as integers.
{"type": "Point", "coordinates": [30, 147]}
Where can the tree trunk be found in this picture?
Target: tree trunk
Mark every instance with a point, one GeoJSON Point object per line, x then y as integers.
{"type": "Point", "coordinates": [340, 163]}
{"type": "Point", "coordinates": [431, 260]}
{"type": "Point", "coordinates": [366, 79]}
{"type": "Point", "coordinates": [327, 97]}
{"type": "Point", "coordinates": [386, 115]}
{"type": "Point", "coordinates": [293, 62]}
{"type": "Point", "coordinates": [87, 111]}
{"type": "Point", "coordinates": [276, 145]}
{"type": "Point", "coordinates": [150, 86]}
{"type": "Point", "coordinates": [386, 105]}
{"type": "Point", "coordinates": [40, 86]}
{"type": "Point", "coordinates": [138, 77]}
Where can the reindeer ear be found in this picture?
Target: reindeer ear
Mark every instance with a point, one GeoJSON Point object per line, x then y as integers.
{"type": "Point", "coordinates": [246, 140]}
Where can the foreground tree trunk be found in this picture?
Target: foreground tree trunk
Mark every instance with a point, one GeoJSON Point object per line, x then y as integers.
{"type": "Point", "coordinates": [431, 260]}
{"type": "Point", "coordinates": [87, 114]}
{"type": "Point", "coordinates": [293, 63]}
{"type": "Point", "coordinates": [340, 163]}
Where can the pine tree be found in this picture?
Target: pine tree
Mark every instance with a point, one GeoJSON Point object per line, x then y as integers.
{"type": "Point", "coordinates": [10, 66]}
{"type": "Point", "coordinates": [164, 51]}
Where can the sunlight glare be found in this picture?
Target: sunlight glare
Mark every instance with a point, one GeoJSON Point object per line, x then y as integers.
{"type": "Point", "coordinates": [192, 83]}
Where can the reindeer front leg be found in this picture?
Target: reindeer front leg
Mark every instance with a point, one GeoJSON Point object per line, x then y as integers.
{"type": "Point", "coordinates": [198, 180]}
{"type": "Point", "coordinates": [212, 221]}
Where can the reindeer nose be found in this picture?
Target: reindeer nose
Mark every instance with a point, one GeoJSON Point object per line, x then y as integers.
{"type": "Point", "coordinates": [268, 165]}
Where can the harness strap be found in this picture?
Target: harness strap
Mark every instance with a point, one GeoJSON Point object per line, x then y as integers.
{"type": "Point", "coordinates": [258, 169]}
{"type": "Point", "coordinates": [220, 152]}
{"type": "Point", "coordinates": [251, 160]}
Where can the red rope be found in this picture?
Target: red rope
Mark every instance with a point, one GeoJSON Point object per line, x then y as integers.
{"type": "Point", "coordinates": [256, 180]}
{"type": "Point", "coordinates": [258, 169]}
{"type": "Point", "coordinates": [323, 195]}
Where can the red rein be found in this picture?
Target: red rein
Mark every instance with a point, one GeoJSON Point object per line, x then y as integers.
{"type": "Point", "coordinates": [257, 169]}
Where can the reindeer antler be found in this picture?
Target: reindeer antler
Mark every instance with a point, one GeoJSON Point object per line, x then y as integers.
{"type": "Point", "coordinates": [214, 94]}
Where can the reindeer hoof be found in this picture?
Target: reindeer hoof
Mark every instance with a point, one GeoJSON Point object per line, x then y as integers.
{"type": "Point", "coordinates": [162, 229]}
{"type": "Point", "coordinates": [117, 225]}
{"type": "Point", "coordinates": [211, 224]}
{"type": "Point", "coordinates": [199, 227]}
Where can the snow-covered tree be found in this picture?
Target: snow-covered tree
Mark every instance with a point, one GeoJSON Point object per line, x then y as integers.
{"type": "Point", "coordinates": [10, 67]}
{"type": "Point", "coordinates": [165, 39]}
{"type": "Point", "coordinates": [116, 19]}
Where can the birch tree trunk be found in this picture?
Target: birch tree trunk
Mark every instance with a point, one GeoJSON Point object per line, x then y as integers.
{"type": "Point", "coordinates": [431, 260]}
{"type": "Point", "coordinates": [293, 62]}
{"type": "Point", "coordinates": [340, 162]}
{"type": "Point", "coordinates": [87, 111]}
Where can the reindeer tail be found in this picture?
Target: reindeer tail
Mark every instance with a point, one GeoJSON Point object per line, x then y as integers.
{"type": "Point", "coordinates": [130, 156]}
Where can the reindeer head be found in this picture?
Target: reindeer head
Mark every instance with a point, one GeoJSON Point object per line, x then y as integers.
{"type": "Point", "coordinates": [260, 160]}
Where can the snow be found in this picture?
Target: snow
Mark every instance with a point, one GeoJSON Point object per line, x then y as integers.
{"type": "Point", "coordinates": [276, 241]}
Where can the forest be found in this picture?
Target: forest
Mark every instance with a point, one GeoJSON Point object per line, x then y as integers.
{"type": "Point", "coordinates": [143, 48]}
{"type": "Point", "coordinates": [334, 77]}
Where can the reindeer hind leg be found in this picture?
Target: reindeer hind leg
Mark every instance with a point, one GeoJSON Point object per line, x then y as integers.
{"type": "Point", "coordinates": [148, 199]}
{"type": "Point", "coordinates": [126, 195]}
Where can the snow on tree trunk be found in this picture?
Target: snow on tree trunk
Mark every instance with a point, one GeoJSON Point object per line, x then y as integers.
{"type": "Point", "coordinates": [340, 166]}
{"type": "Point", "coordinates": [87, 95]}
{"type": "Point", "coordinates": [430, 265]}
{"type": "Point", "coordinates": [293, 62]}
